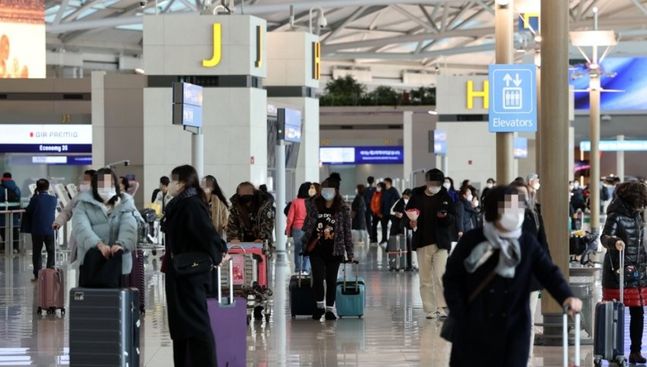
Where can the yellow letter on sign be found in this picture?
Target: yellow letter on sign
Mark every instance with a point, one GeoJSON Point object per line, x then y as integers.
{"type": "Point", "coordinates": [316, 60]}
{"type": "Point", "coordinates": [217, 47]}
{"type": "Point", "coordinates": [471, 94]}
{"type": "Point", "coordinates": [259, 47]}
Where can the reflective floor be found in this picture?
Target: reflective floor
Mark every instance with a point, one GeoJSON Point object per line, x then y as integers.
{"type": "Point", "coordinates": [393, 332]}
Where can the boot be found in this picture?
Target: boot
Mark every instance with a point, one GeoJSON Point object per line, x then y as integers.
{"type": "Point", "coordinates": [637, 358]}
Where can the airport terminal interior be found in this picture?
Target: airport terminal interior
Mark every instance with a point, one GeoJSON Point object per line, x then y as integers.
{"type": "Point", "coordinates": [381, 182]}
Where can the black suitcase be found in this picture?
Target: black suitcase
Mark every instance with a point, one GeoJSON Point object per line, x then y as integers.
{"type": "Point", "coordinates": [104, 327]}
{"type": "Point", "coordinates": [609, 335]}
{"type": "Point", "coordinates": [302, 298]}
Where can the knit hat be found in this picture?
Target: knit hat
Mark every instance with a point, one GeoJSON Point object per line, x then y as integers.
{"type": "Point", "coordinates": [435, 175]}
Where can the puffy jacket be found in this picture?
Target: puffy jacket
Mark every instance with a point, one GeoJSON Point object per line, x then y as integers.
{"type": "Point", "coordinates": [40, 214]}
{"type": "Point", "coordinates": [219, 214]}
{"type": "Point", "coordinates": [296, 215]}
{"type": "Point", "coordinates": [358, 211]}
{"type": "Point", "coordinates": [376, 203]}
{"type": "Point", "coordinates": [247, 227]}
{"type": "Point", "coordinates": [626, 225]}
{"type": "Point", "coordinates": [468, 216]}
{"type": "Point", "coordinates": [92, 225]}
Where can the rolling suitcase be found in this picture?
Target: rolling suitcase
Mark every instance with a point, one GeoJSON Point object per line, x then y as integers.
{"type": "Point", "coordinates": [577, 340]}
{"type": "Point", "coordinates": [104, 327]}
{"type": "Point", "coordinates": [51, 291]}
{"type": "Point", "coordinates": [302, 298]}
{"type": "Point", "coordinates": [229, 325]}
{"type": "Point", "coordinates": [609, 335]}
{"type": "Point", "coordinates": [395, 252]}
{"type": "Point", "coordinates": [136, 277]}
{"type": "Point", "coordinates": [351, 295]}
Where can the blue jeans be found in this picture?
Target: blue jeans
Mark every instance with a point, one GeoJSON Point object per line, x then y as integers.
{"type": "Point", "coordinates": [297, 237]}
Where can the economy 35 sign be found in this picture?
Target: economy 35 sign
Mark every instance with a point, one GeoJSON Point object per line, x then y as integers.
{"type": "Point", "coordinates": [512, 98]}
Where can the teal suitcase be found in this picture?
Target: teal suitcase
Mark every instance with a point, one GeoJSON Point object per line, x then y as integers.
{"type": "Point", "coordinates": [351, 295]}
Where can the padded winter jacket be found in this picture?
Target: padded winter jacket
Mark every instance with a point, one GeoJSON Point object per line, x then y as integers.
{"type": "Point", "coordinates": [92, 225]}
{"type": "Point", "coordinates": [343, 234]}
{"type": "Point", "coordinates": [249, 227]}
{"type": "Point", "coordinates": [626, 225]}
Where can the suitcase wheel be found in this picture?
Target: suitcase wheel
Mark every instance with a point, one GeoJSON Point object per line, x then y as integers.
{"type": "Point", "coordinates": [621, 361]}
{"type": "Point", "coordinates": [597, 362]}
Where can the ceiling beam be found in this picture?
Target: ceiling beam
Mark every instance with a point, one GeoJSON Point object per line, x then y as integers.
{"type": "Point", "coordinates": [61, 11]}
{"type": "Point", "coordinates": [360, 13]}
{"type": "Point", "coordinates": [640, 6]}
{"type": "Point", "coordinates": [412, 17]}
{"type": "Point", "coordinates": [410, 56]}
{"type": "Point", "coordinates": [430, 17]}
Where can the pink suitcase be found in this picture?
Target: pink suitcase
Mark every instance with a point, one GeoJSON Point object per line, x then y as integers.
{"type": "Point", "coordinates": [51, 291]}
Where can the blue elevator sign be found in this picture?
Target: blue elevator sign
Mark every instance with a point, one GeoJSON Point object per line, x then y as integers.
{"type": "Point", "coordinates": [513, 98]}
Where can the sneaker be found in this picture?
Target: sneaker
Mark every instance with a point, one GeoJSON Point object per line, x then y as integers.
{"type": "Point", "coordinates": [330, 316]}
{"type": "Point", "coordinates": [318, 313]}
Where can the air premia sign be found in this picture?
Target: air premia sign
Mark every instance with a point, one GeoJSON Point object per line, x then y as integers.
{"type": "Point", "coordinates": [45, 138]}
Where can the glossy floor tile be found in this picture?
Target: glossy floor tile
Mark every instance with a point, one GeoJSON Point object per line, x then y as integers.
{"type": "Point", "coordinates": [393, 331]}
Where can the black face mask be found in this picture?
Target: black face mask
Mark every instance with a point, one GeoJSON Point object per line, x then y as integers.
{"type": "Point", "coordinates": [245, 199]}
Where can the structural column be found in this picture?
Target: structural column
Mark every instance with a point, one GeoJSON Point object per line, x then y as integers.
{"type": "Point", "coordinates": [554, 131]}
{"type": "Point", "coordinates": [504, 32]}
{"type": "Point", "coordinates": [594, 184]}
{"type": "Point", "coordinates": [620, 159]}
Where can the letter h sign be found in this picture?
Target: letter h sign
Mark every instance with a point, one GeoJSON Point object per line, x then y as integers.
{"type": "Point", "coordinates": [483, 94]}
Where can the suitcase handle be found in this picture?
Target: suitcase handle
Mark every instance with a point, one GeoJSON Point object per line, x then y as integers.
{"type": "Point", "coordinates": [622, 275]}
{"type": "Point", "coordinates": [231, 282]}
{"type": "Point", "coordinates": [356, 263]}
{"type": "Point", "coordinates": [578, 340]}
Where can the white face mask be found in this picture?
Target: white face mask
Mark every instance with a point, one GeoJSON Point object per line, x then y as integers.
{"type": "Point", "coordinates": [207, 191]}
{"type": "Point", "coordinates": [512, 219]}
{"type": "Point", "coordinates": [379, 189]}
{"type": "Point", "coordinates": [536, 186]}
{"type": "Point", "coordinates": [490, 185]}
{"type": "Point", "coordinates": [475, 203]}
{"type": "Point", "coordinates": [312, 192]}
{"type": "Point", "coordinates": [447, 185]}
{"type": "Point", "coordinates": [85, 187]}
{"type": "Point", "coordinates": [433, 189]}
{"type": "Point", "coordinates": [469, 198]}
{"type": "Point", "coordinates": [328, 193]}
{"type": "Point", "coordinates": [406, 201]}
{"type": "Point", "coordinates": [106, 193]}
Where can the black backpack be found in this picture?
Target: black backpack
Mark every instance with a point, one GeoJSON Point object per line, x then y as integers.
{"type": "Point", "coordinates": [287, 209]}
{"type": "Point", "coordinates": [11, 195]}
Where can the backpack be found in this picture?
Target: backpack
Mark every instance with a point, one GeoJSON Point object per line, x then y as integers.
{"type": "Point", "coordinates": [287, 209]}
{"type": "Point", "coordinates": [11, 195]}
{"type": "Point", "coordinates": [376, 203]}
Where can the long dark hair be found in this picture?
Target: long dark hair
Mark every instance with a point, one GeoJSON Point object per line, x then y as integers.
{"type": "Point", "coordinates": [303, 190]}
{"type": "Point", "coordinates": [187, 175]}
{"type": "Point", "coordinates": [95, 185]}
{"type": "Point", "coordinates": [215, 189]}
{"type": "Point", "coordinates": [337, 201]}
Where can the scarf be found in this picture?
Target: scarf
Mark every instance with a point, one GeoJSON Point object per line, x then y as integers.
{"type": "Point", "coordinates": [506, 243]}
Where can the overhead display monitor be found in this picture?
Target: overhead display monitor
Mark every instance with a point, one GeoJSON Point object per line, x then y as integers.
{"type": "Point", "coordinates": [289, 125]}
{"type": "Point", "coordinates": [626, 76]}
{"type": "Point", "coordinates": [187, 104]}
{"type": "Point", "coordinates": [50, 139]}
{"type": "Point", "coordinates": [22, 39]}
{"type": "Point", "coordinates": [521, 147]}
{"type": "Point", "coordinates": [617, 146]}
{"type": "Point", "coordinates": [361, 155]}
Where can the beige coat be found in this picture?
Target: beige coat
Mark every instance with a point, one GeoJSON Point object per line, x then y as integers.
{"type": "Point", "coordinates": [219, 214]}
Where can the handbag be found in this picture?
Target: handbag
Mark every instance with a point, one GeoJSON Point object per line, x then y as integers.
{"type": "Point", "coordinates": [99, 272]}
{"type": "Point", "coordinates": [192, 263]}
{"type": "Point", "coordinates": [449, 325]}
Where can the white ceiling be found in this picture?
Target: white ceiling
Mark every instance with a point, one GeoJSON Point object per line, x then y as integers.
{"type": "Point", "coordinates": [423, 33]}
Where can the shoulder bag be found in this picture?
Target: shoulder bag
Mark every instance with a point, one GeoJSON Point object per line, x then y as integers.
{"type": "Point", "coordinates": [449, 325]}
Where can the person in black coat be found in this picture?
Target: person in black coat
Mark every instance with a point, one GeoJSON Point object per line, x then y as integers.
{"type": "Point", "coordinates": [433, 233]}
{"type": "Point", "coordinates": [38, 219]}
{"type": "Point", "coordinates": [188, 228]}
{"type": "Point", "coordinates": [368, 195]}
{"type": "Point", "coordinates": [468, 214]}
{"type": "Point", "coordinates": [493, 329]}
{"type": "Point", "coordinates": [623, 230]}
{"type": "Point", "coordinates": [390, 196]}
{"type": "Point", "coordinates": [358, 210]}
